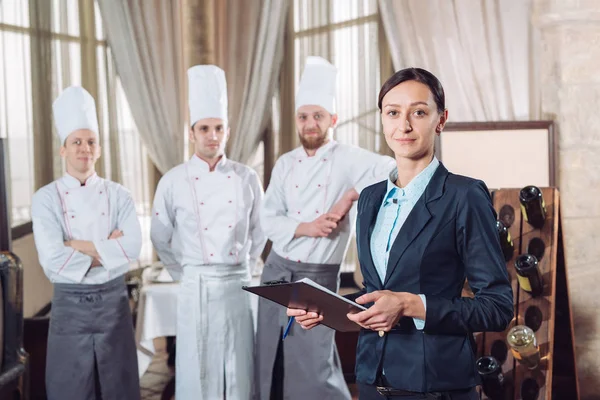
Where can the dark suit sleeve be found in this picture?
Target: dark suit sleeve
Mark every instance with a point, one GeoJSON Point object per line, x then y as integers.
{"type": "Point", "coordinates": [360, 206]}
{"type": "Point", "coordinates": [479, 247]}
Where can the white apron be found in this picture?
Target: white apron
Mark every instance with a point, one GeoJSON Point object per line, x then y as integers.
{"type": "Point", "coordinates": [215, 341]}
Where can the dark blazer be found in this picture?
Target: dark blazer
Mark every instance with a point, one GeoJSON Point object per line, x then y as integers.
{"type": "Point", "coordinates": [449, 235]}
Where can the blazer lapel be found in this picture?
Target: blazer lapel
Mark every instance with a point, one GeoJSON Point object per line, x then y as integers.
{"type": "Point", "coordinates": [417, 219]}
{"type": "Point", "coordinates": [368, 218]}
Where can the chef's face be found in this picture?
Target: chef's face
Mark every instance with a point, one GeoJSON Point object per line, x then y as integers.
{"type": "Point", "coordinates": [209, 136]}
{"type": "Point", "coordinates": [80, 150]}
{"type": "Point", "coordinates": [313, 124]}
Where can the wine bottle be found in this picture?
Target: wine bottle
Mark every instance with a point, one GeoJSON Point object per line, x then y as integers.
{"type": "Point", "coordinates": [506, 242]}
{"type": "Point", "coordinates": [523, 346]}
{"type": "Point", "coordinates": [533, 207]}
{"type": "Point", "coordinates": [492, 379]}
{"type": "Point", "coordinates": [528, 274]}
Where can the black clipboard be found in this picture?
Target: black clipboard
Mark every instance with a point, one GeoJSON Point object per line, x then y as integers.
{"type": "Point", "coordinates": [307, 295]}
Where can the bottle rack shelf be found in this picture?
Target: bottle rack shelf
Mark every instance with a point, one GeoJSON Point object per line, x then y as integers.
{"type": "Point", "coordinates": [549, 315]}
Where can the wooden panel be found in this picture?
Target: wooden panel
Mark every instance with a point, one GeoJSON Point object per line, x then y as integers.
{"type": "Point", "coordinates": [542, 376]}
{"type": "Point", "coordinates": [506, 204]}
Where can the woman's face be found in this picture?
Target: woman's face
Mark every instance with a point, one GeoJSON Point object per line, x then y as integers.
{"type": "Point", "coordinates": [411, 121]}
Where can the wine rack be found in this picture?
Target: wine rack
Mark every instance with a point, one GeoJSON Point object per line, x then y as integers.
{"type": "Point", "coordinates": [549, 315]}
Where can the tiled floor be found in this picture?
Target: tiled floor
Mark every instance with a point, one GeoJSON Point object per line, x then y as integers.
{"type": "Point", "coordinates": [159, 374]}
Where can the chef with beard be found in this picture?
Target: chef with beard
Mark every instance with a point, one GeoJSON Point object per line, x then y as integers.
{"type": "Point", "coordinates": [304, 214]}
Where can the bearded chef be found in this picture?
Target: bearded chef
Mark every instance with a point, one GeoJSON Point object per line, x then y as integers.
{"type": "Point", "coordinates": [206, 230]}
{"type": "Point", "coordinates": [312, 189]}
{"type": "Point", "coordinates": [86, 233]}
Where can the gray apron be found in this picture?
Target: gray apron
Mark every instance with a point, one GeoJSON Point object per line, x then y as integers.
{"type": "Point", "coordinates": [91, 346]}
{"type": "Point", "coordinates": [311, 365]}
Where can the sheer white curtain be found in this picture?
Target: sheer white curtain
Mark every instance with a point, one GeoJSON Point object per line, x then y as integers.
{"type": "Point", "coordinates": [144, 37]}
{"type": "Point", "coordinates": [249, 49]}
{"type": "Point", "coordinates": [16, 117]}
{"type": "Point", "coordinates": [483, 52]}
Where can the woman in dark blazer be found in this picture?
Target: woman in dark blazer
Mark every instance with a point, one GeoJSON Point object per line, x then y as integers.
{"type": "Point", "coordinates": [420, 234]}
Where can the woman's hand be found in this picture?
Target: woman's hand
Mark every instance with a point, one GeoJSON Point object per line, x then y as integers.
{"type": "Point", "coordinates": [306, 320]}
{"type": "Point", "coordinates": [389, 307]}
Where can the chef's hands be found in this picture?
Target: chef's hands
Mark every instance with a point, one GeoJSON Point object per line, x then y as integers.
{"type": "Point", "coordinates": [320, 227]}
{"type": "Point", "coordinates": [95, 263]}
{"type": "Point", "coordinates": [83, 246]}
{"type": "Point", "coordinates": [325, 224]}
{"type": "Point", "coordinates": [343, 206]}
{"type": "Point", "coordinates": [115, 234]}
{"type": "Point", "coordinates": [87, 247]}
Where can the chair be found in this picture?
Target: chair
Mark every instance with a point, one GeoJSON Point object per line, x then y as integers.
{"type": "Point", "coordinates": [14, 365]}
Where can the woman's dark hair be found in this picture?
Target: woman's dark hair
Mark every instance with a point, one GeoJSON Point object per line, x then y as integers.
{"type": "Point", "coordinates": [415, 74]}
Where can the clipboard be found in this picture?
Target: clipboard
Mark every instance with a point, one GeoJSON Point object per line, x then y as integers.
{"type": "Point", "coordinates": [308, 295]}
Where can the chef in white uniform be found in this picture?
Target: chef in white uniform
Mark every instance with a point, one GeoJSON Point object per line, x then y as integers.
{"type": "Point", "coordinates": [206, 230]}
{"type": "Point", "coordinates": [312, 189]}
{"type": "Point", "coordinates": [87, 233]}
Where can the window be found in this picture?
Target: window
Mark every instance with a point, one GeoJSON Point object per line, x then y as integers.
{"type": "Point", "coordinates": [65, 53]}
{"type": "Point", "coordinates": [15, 105]}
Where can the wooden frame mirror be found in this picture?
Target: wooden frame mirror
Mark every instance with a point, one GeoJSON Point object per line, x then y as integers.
{"type": "Point", "coordinates": [502, 154]}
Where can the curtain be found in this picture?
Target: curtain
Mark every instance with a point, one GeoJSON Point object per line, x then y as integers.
{"type": "Point", "coordinates": [470, 45]}
{"type": "Point", "coordinates": [144, 38]}
{"type": "Point", "coordinates": [249, 48]}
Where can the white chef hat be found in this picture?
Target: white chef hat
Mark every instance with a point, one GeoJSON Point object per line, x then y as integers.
{"type": "Point", "coordinates": [74, 109]}
{"type": "Point", "coordinates": [317, 84]}
{"type": "Point", "coordinates": [207, 93]}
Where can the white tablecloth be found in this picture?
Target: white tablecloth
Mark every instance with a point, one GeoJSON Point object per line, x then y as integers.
{"type": "Point", "coordinates": [157, 316]}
